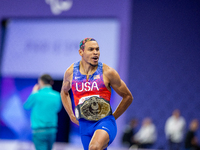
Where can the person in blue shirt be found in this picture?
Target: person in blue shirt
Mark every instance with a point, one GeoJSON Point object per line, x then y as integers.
{"type": "Point", "coordinates": [44, 103]}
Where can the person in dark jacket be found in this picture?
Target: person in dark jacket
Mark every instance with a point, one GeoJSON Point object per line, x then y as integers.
{"type": "Point", "coordinates": [191, 141]}
{"type": "Point", "coordinates": [129, 132]}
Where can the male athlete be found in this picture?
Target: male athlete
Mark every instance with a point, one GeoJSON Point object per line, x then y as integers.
{"type": "Point", "coordinates": [91, 83]}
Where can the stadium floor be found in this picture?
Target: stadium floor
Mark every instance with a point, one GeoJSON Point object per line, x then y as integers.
{"type": "Point", "coordinates": [27, 145]}
{"type": "Point", "coordinates": [24, 145]}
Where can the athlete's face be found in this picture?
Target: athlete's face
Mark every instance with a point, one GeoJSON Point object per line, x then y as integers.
{"type": "Point", "coordinates": [91, 53]}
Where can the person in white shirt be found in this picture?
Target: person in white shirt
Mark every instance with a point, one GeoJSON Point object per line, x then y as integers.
{"type": "Point", "coordinates": [147, 135]}
{"type": "Point", "coordinates": [174, 130]}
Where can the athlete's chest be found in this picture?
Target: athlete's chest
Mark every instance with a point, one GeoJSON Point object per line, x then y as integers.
{"type": "Point", "coordinates": [81, 83]}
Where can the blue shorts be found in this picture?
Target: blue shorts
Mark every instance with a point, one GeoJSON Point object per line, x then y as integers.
{"type": "Point", "coordinates": [87, 129]}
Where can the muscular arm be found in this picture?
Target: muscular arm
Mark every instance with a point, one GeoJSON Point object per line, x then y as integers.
{"type": "Point", "coordinates": [66, 100]}
{"type": "Point", "coordinates": [120, 87]}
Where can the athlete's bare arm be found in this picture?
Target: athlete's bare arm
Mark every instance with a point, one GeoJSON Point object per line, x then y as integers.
{"type": "Point", "coordinates": [112, 79]}
{"type": "Point", "coordinates": [66, 100]}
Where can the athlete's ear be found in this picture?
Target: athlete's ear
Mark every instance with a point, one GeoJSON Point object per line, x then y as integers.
{"type": "Point", "coordinates": [80, 52]}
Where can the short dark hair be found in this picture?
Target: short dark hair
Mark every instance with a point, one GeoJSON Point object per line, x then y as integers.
{"type": "Point", "coordinates": [47, 79]}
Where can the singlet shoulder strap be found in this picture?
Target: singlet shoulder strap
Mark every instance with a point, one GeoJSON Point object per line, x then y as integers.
{"type": "Point", "coordinates": [76, 67]}
{"type": "Point", "coordinates": [76, 64]}
{"type": "Point", "coordinates": [100, 68]}
{"type": "Point", "coordinates": [100, 64]}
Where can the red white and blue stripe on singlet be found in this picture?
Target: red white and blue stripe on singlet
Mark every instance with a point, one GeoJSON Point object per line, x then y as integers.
{"type": "Point", "coordinates": [83, 89]}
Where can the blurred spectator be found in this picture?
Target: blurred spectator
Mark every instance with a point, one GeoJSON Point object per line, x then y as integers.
{"type": "Point", "coordinates": [128, 134]}
{"type": "Point", "coordinates": [191, 141]}
{"type": "Point", "coordinates": [174, 130]}
{"type": "Point", "coordinates": [44, 103]}
{"type": "Point", "coordinates": [146, 136]}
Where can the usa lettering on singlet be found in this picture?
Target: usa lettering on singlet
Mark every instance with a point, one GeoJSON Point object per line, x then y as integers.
{"type": "Point", "coordinates": [87, 86]}
{"type": "Point", "coordinates": [84, 88]}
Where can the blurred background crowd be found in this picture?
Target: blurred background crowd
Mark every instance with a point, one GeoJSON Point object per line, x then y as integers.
{"type": "Point", "coordinates": [178, 137]}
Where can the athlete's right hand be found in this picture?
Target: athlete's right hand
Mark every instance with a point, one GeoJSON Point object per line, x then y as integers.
{"type": "Point", "coordinates": [73, 119]}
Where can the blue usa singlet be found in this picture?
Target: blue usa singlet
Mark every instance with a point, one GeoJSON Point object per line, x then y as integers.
{"type": "Point", "coordinates": [83, 89]}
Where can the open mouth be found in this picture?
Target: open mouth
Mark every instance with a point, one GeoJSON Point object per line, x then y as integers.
{"type": "Point", "coordinates": [95, 58]}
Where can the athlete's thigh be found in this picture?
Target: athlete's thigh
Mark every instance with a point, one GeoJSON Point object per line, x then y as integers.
{"type": "Point", "coordinates": [86, 141]}
{"type": "Point", "coordinates": [109, 125]}
{"type": "Point", "coordinates": [101, 138]}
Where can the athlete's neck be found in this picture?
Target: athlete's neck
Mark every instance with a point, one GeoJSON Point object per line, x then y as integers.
{"type": "Point", "coordinates": [87, 69]}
